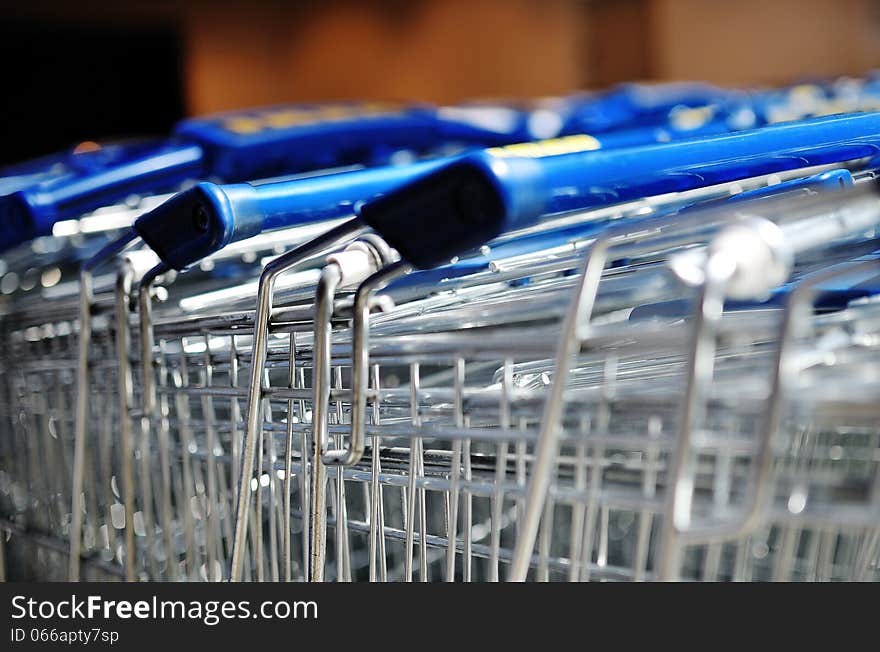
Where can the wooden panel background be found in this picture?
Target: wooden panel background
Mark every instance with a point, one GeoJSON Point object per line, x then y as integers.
{"type": "Point", "coordinates": [247, 53]}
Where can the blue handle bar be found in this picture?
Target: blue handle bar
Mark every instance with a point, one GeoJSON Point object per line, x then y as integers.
{"type": "Point", "coordinates": [265, 142]}
{"type": "Point", "coordinates": [206, 218]}
{"type": "Point", "coordinates": [824, 181]}
{"type": "Point", "coordinates": [629, 105]}
{"type": "Point", "coordinates": [830, 181]}
{"type": "Point", "coordinates": [86, 158]}
{"type": "Point", "coordinates": [467, 200]}
{"type": "Point", "coordinates": [230, 213]}
{"type": "Point", "coordinates": [513, 186]}
{"type": "Point", "coordinates": [202, 220]}
{"type": "Point", "coordinates": [284, 139]}
{"type": "Point", "coordinates": [32, 211]}
{"type": "Point", "coordinates": [21, 175]}
{"type": "Point", "coordinates": [287, 139]}
{"type": "Point", "coordinates": [293, 138]}
{"type": "Point", "coordinates": [234, 147]}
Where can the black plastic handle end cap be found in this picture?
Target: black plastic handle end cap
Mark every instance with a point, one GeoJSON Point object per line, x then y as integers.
{"type": "Point", "coordinates": [191, 225]}
{"type": "Point", "coordinates": [439, 216]}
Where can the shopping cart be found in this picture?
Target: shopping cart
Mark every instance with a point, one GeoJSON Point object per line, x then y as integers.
{"type": "Point", "coordinates": [437, 408]}
{"type": "Point", "coordinates": [476, 376]}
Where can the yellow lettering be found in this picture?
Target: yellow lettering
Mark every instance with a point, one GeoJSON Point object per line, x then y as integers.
{"type": "Point", "coordinates": [286, 118]}
{"type": "Point", "coordinates": [550, 147]}
{"type": "Point", "coordinates": [300, 117]}
{"type": "Point", "coordinates": [689, 119]}
{"type": "Point", "coordinates": [243, 125]}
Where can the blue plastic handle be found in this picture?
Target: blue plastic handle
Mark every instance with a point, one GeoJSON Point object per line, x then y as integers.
{"type": "Point", "coordinates": [512, 186]}
{"type": "Point", "coordinates": [824, 181]}
{"type": "Point", "coordinates": [263, 142]}
{"type": "Point", "coordinates": [830, 181]}
{"type": "Point", "coordinates": [202, 220]}
{"type": "Point", "coordinates": [235, 147]}
{"type": "Point", "coordinates": [208, 217]}
{"type": "Point", "coordinates": [434, 210]}
{"type": "Point", "coordinates": [628, 114]}
{"type": "Point", "coordinates": [85, 158]}
{"type": "Point", "coordinates": [629, 105]}
{"type": "Point", "coordinates": [32, 211]}
{"type": "Point", "coordinates": [291, 138]}
{"type": "Point", "coordinates": [682, 122]}
{"type": "Point", "coordinates": [29, 173]}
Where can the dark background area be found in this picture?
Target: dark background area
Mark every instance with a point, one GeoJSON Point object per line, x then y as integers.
{"type": "Point", "coordinates": [71, 82]}
{"type": "Point", "coordinates": [84, 69]}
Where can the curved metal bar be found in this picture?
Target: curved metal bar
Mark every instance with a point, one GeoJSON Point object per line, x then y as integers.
{"type": "Point", "coordinates": [255, 392]}
{"type": "Point", "coordinates": [124, 280]}
{"type": "Point", "coordinates": [548, 439]}
{"type": "Point", "coordinates": [331, 276]}
{"type": "Point", "coordinates": [796, 308]}
{"type": "Point", "coordinates": [86, 296]}
{"type": "Point", "coordinates": [701, 357]}
{"type": "Point", "coordinates": [360, 364]}
{"type": "Point", "coordinates": [145, 323]}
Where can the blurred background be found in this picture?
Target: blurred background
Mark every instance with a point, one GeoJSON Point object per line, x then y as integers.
{"type": "Point", "coordinates": [82, 70]}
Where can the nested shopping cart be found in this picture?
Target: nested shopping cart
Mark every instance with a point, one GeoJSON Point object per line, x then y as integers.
{"type": "Point", "coordinates": [689, 416]}
{"type": "Point", "coordinates": [646, 390]}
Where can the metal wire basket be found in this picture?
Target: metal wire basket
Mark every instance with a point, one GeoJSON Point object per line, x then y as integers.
{"type": "Point", "coordinates": [642, 402]}
{"type": "Point", "coordinates": [755, 427]}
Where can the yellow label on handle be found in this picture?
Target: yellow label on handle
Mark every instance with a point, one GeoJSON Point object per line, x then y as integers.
{"type": "Point", "coordinates": [285, 117]}
{"type": "Point", "coordinates": [550, 147]}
